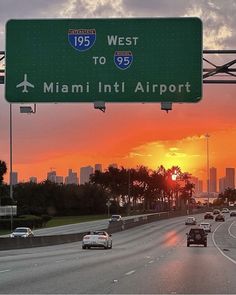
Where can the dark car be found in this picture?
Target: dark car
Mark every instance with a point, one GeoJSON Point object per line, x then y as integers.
{"type": "Point", "coordinates": [216, 211]}
{"type": "Point", "coordinates": [197, 236]}
{"type": "Point", "coordinates": [220, 217]}
{"type": "Point", "coordinates": [232, 213]}
{"type": "Point", "coordinates": [208, 215]}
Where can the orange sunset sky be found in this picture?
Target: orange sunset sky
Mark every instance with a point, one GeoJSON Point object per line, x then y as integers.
{"type": "Point", "coordinates": [63, 136]}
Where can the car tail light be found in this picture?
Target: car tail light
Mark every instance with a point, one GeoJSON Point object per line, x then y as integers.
{"type": "Point", "coordinates": [102, 238]}
{"type": "Point", "coordinates": [86, 238]}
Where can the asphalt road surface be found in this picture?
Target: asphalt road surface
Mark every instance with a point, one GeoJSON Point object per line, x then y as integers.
{"type": "Point", "coordinates": [79, 227]}
{"type": "Point", "coordinates": [149, 259]}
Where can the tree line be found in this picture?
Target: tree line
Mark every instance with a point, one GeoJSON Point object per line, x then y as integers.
{"type": "Point", "coordinates": [226, 197]}
{"type": "Point", "coordinates": [136, 189]}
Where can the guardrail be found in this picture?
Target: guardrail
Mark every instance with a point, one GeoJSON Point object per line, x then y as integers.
{"type": "Point", "coordinates": [19, 243]}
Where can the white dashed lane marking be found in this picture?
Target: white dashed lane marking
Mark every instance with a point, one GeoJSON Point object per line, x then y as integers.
{"type": "Point", "coordinates": [4, 270]}
{"type": "Point", "coordinates": [130, 272]}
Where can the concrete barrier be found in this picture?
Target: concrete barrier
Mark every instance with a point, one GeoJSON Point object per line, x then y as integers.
{"type": "Point", "coordinates": [19, 243]}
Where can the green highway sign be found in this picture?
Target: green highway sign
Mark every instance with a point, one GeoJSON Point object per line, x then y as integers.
{"type": "Point", "coordinates": [110, 60]}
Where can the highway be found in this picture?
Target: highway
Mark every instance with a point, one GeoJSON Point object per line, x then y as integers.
{"type": "Point", "coordinates": [79, 227]}
{"type": "Point", "coordinates": [149, 259]}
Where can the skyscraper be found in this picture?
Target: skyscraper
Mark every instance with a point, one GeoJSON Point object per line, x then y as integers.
{"type": "Point", "coordinates": [197, 185]}
{"type": "Point", "coordinates": [213, 181]}
{"type": "Point", "coordinates": [51, 176]}
{"type": "Point", "coordinates": [98, 167]}
{"type": "Point", "coordinates": [71, 178]}
{"type": "Point", "coordinates": [85, 173]}
{"type": "Point", "coordinates": [221, 184]}
{"type": "Point", "coordinates": [200, 186]}
{"type": "Point", "coordinates": [230, 178]}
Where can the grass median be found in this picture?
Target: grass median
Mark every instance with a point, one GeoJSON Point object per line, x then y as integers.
{"type": "Point", "coordinates": [64, 220]}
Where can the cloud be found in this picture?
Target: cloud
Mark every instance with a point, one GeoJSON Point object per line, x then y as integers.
{"type": "Point", "coordinates": [173, 149]}
{"type": "Point", "coordinates": [218, 24]}
{"type": "Point", "coordinates": [92, 9]}
{"type": "Point", "coordinates": [179, 155]}
{"type": "Point", "coordinates": [132, 155]}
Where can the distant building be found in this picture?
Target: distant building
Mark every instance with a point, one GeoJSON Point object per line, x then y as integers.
{"type": "Point", "coordinates": [221, 184]}
{"type": "Point", "coordinates": [14, 178]}
{"type": "Point", "coordinates": [59, 179]}
{"type": "Point", "coordinates": [230, 178]}
{"type": "Point", "coordinates": [71, 178]}
{"type": "Point", "coordinates": [194, 180]}
{"type": "Point", "coordinates": [51, 176]}
{"type": "Point", "coordinates": [98, 167]}
{"type": "Point", "coordinates": [85, 173]}
{"type": "Point", "coordinates": [213, 180]}
{"type": "Point", "coordinates": [33, 179]}
{"type": "Point", "coordinates": [200, 186]}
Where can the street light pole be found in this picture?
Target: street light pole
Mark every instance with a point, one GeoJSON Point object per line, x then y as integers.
{"type": "Point", "coordinates": [11, 187]}
{"type": "Point", "coordinates": [208, 174]}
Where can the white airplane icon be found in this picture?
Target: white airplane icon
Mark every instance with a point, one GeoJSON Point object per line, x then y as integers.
{"type": "Point", "coordinates": [25, 84]}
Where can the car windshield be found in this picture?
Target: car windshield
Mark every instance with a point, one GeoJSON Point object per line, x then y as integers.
{"type": "Point", "coordinates": [20, 230]}
{"type": "Point", "coordinates": [196, 231]}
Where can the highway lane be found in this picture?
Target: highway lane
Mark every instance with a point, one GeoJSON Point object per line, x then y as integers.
{"type": "Point", "coordinates": [152, 258]}
{"type": "Point", "coordinates": [78, 227]}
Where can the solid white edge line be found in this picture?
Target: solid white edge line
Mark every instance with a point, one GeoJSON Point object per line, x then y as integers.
{"type": "Point", "coordinates": [233, 236]}
{"type": "Point", "coordinates": [214, 242]}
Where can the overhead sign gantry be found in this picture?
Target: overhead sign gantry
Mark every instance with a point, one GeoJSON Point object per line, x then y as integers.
{"type": "Point", "coordinates": [110, 60]}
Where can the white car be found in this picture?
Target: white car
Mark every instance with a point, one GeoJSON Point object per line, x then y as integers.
{"type": "Point", "coordinates": [97, 239]}
{"type": "Point", "coordinates": [225, 210]}
{"type": "Point", "coordinates": [115, 218]}
{"type": "Point", "coordinates": [206, 226]}
{"type": "Point", "coordinates": [22, 232]}
{"type": "Point", "coordinates": [191, 221]}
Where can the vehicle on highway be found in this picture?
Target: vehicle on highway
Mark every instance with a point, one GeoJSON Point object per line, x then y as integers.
{"type": "Point", "coordinates": [220, 217]}
{"type": "Point", "coordinates": [225, 210]}
{"type": "Point", "coordinates": [22, 232]}
{"type": "Point", "coordinates": [196, 236]}
{"type": "Point", "coordinates": [191, 221]}
{"type": "Point", "coordinates": [216, 211]}
{"type": "Point", "coordinates": [115, 218]}
{"type": "Point", "coordinates": [208, 215]}
{"type": "Point", "coordinates": [206, 226]}
{"type": "Point", "coordinates": [232, 213]}
{"type": "Point", "coordinates": [97, 239]}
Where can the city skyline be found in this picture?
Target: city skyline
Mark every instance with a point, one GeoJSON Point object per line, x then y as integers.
{"type": "Point", "coordinates": [216, 184]}
{"type": "Point", "coordinates": [131, 134]}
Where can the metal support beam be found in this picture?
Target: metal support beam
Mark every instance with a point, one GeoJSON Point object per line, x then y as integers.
{"type": "Point", "coordinates": [215, 71]}
{"type": "Point", "coordinates": [225, 71]}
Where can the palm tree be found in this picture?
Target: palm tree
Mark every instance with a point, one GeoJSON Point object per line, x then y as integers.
{"type": "Point", "coordinates": [187, 190]}
{"type": "Point", "coordinates": [3, 170]}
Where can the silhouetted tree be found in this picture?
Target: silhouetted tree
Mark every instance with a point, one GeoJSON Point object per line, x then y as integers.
{"type": "Point", "coordinates": [3, 170]}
